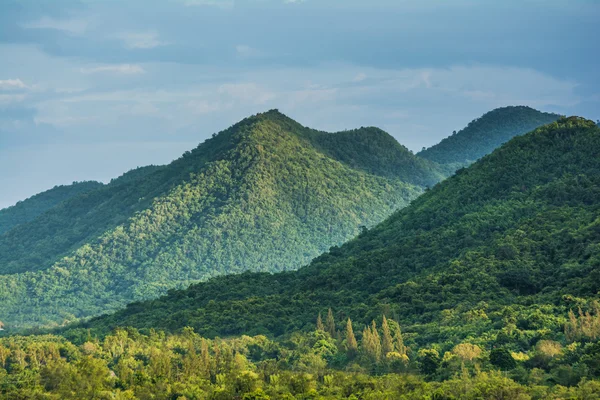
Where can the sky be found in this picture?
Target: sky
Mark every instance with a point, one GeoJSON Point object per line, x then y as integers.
{"type": "Point", "coordinates": [92, 88]}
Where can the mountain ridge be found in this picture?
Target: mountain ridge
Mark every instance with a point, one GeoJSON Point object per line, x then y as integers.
{"type": "Point", "coordinates": [515, 233]}
{"type": "Point", "coordinates": [259, 182]}
{"type": "Point", "coordinates": [484, 134]}
{"type": "Point", "coordinates": [30, 208]}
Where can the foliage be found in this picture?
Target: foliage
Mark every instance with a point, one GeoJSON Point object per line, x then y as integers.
{"type": "Point", "coordinates": [485, 134]}
{"type": "Point", "coordinates": [129, 365]}
{"type": "Point", "coordinates": [260, 196]}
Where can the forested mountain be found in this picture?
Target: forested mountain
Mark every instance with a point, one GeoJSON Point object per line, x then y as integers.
{"type": "Point", "coordinates": [265, 195]}
{"type": "Point", "coordinates": [483, 135]}
{"type": "Point", "coordinates": [491, 280]}
{"type": "Point", "coordinates": [499, 253]}
{"type": "Point", "coordinates": [27, 210]}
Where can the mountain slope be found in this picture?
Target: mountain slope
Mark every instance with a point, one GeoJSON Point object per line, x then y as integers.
{"type": "Point", "coordinates": [499, 251]}
{"type": "Point", "coordinates": [258, 196]}
{"type": "Point", "coordinates": [27, 210]}
{"type": "Point", "coordinates": [485, 134]}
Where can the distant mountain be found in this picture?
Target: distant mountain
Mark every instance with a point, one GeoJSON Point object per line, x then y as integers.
{"type": "Point", "coordinates": [495, 255]}
{"type": "Point", "coordinates": [485, 134]}
{"type": "Point", "coordinates": [266, 194]}
{"type": "Point", "coordinates": [27, 210]}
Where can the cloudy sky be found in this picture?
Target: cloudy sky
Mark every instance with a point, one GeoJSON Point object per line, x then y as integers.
{"type": "Point", "coordinates": [92, 88]}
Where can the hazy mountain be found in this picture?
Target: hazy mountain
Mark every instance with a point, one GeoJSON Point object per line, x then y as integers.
{"type": "Point", "coordinates": [485, 134]}
{"type": "Point", "coordinates": [27, 210]}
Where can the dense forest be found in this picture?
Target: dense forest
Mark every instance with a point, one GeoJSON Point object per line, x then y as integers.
{"type": "Point", "coordinates": [482, 135]}
{"type": "Point", "coordinates": [500, 261]}
{"type": "Point", "coordinates": [27, 210]}
{"type": "Point", "coordinates": [265, 195]}
{"type": "Point", "coordinates": [323, 363]}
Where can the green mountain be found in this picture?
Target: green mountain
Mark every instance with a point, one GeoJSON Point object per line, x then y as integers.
{"type": "Point", "coordinates": [27, 210]}
{"type": "Point", "coordinates": [265, 195]}
{"type": "Point", "coordinates": [496, 255]}
{"type": "Point", "coordinates": [485, 134]}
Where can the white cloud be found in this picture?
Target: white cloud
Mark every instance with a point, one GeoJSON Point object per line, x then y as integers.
{"type": "Point", "coordinates": [244, 51]}
{"type": "Point", "coordinates": [124, 69]}
{"type": "Point", "coordinates": [201, 107]}
{"type": "Point", "coordinates": [360, 77]}
{"type": "Point", "coordinates": [66, 121]}
{"type": "Point", "coordinates": [247, 92]}
{"type": "Point", "coordinates": [72, 26]}
{"type": "Point", "coordinates": [141, 40]}
{"type": "Point", "coordinates": [226, 4]}
{"type": "Point", "coordinates": [12, 84]}
{"type": "Point", "coordinates": [6, 99]}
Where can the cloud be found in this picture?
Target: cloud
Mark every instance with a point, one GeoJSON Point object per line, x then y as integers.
{"type": "Point", "coordinates": [141, 40]}
{"type": "Point", "coordinates": [124, 69]}
{"type": "Point", "coordinates": [360, 77]}
{"type": "Point", "coordinates": [225, 4]}
{"type": "Point", "coordinates": [12, 84]}
{"type": "Point", "coordinates": [71, 26]}
{"type": "Point", "coordinates": [11, 98]}
{"type": "Point", "coordinates": [201, 107]}
{"type": "Point", "coordinates": [247, 92]}
{"type": "Point", "coordinates": [244, 51]}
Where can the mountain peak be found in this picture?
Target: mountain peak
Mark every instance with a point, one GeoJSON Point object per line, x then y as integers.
{"type": "Point", "coordinates": [484, 134]}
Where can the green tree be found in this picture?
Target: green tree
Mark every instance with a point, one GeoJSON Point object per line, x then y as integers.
{"type": "Point", "coordinates": [351, 344]}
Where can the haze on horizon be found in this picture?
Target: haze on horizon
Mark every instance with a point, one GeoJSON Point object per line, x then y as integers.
{"type": "Point", "coordinates": [90, 89]}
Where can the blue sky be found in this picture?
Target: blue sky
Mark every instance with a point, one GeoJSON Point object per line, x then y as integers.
{"type": "Point", "coordinates": [91, 88]}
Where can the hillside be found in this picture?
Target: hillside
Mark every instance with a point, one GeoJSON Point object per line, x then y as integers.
{"type": "Point", "coordinates": [483, 135]}
{"type": "Point", "coordinates": [259, 196]}
{"type": "Point", "coordinates": [27, 210]}
{"type": "Point", "coordinates": [498, 253]}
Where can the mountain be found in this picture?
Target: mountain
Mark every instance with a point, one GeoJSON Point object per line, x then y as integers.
{"type": "Point", "coordinates": [498, 253]}
{"type": "Point", "coordinates": [27, 210]}
{"type": "Point", "coordinates": [266, 194]}
{"type": "Point", "coordinates": [485, 134]}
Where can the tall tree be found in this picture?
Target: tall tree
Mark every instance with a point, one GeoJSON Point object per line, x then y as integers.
{"type": "Point", "coordinates": [320, 326]}
{"type": "Point", "coordinates": [330, 324]}
{"type": "Point", "coordinates": [387, 344]}
{"type": "Point", "coordinates": [351, 344]}
{"type": "Point", "coordinates": [399, 346]}
{"type": "Point", "coordinates": [371, 343]}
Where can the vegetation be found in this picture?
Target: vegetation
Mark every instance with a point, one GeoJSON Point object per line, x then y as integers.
{"type": "Point", "coordinates": [485, 134]}
{"type": "Point", "coordinates": [27, 210]}
{"type": "Point", "coordinates": [486, 287]}
{"type": "Point", "coordinates": [500, 261]}
{"type": "Point", "coordinates": [309, 365]}
{"type": "Point", "coordinates": [260, 196]}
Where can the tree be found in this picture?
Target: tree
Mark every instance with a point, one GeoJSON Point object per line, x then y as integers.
{"type": "Point", "coordinates": [398, 339]}
{"type": "Point", "coordinates": [351, 345]}
{"type": "Point", "coordinates": [320, 326]}
{"type": "Point", "coordinates": [330, 325]}
{"type": "Point", "coordinates": [387, 344]}
{"type": "Point", "coordinates": [467, 351]}
{"type": "Point", "coordinates": [429, 361]}
{"type": "Point", "coordinates": [502, 359]}
{"type": "Point", "coordinates": [371, 343]}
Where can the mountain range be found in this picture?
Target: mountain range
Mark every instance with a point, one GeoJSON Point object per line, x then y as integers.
{"type": "Point", "coordinates": [500, 251]}
{"type": "Point", "coordinates": [485, 286]}
{"type": "Point", "coordinates": [266, 194]}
